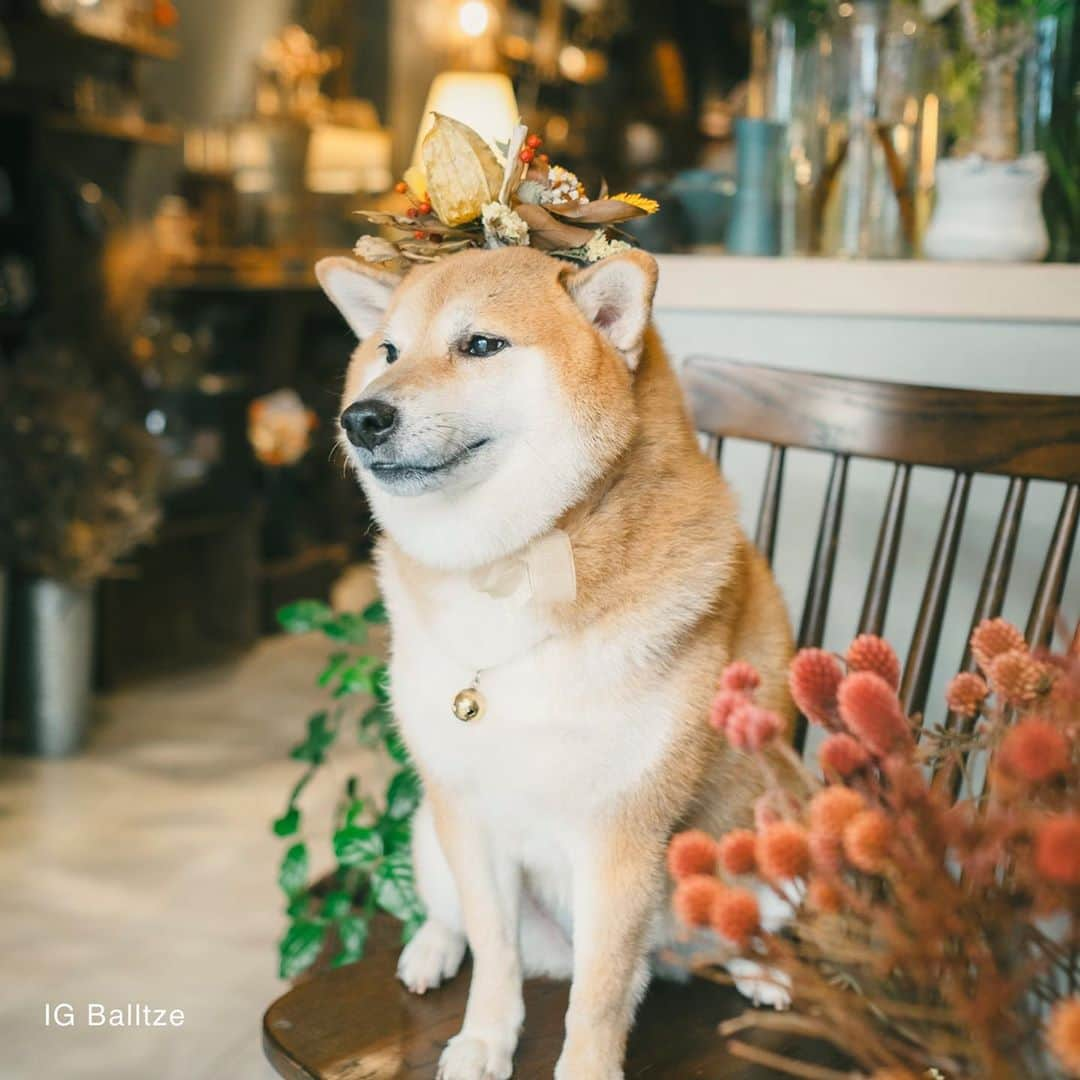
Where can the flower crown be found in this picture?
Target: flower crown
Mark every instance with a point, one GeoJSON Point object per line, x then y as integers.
{"type": "Point", "coordinates": [464, 197]}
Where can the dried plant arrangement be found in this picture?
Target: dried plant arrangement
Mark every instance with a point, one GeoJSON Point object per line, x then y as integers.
{"type": "Point", "coordinates": [78, 472]}
{"type": "Point", "coordinates": [465, 196]}
{"type": "Point", "coordinates": [926, 936]}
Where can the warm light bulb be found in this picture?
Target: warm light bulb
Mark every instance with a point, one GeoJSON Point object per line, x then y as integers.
{"type": "Point", "coordinates": [474, 18]}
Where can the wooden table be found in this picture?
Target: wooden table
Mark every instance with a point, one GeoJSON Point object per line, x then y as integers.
{"type": "Point", "coordinates": [359, 1023]}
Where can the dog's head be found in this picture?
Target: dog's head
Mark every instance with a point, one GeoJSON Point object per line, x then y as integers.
{"type": "Point", "coordinates": [489, 392]}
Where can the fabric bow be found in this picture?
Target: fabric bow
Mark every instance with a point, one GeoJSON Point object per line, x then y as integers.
{"type": "Point", "coordinates": [542, 572]}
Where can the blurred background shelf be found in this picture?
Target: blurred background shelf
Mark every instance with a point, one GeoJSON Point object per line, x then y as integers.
{"type": "Point", "coordinates": [108, 127]}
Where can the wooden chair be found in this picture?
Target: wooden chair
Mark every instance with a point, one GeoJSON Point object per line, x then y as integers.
{"type": "Point", "coordinates": [357, 1023]}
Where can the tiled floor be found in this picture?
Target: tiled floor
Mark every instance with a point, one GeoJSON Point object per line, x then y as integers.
{"type": "Point", "coordinates": [143, 871]}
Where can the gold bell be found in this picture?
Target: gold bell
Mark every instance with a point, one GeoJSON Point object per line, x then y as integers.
{"type": "Point", "coordinates": [468, 704]}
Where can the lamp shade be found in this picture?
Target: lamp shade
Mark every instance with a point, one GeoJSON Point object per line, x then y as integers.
{"type": "Point", "coordinates": [483, 100]}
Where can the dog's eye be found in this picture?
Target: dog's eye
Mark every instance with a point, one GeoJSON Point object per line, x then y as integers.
{"type": "Point", "coordinates": [390, 350]}
{"type": "Point", "coordinates": [484, 345]}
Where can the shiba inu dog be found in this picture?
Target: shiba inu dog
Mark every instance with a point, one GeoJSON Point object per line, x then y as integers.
{"type": "Point", "coordinates": [504, 404]}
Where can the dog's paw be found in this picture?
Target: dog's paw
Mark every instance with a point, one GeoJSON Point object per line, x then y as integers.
{"type": "Point", "coordinates": [433, 956]}
{"type": "Point", "coordinates": [763, 986]}
{"type": "Point", "coordinates": [469, 1058]}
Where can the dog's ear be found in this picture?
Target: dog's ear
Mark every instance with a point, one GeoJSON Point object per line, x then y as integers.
{"type": "Point", "coordinates": [616, 296]}
{"type": "Point", "coordinates": [361, 292]}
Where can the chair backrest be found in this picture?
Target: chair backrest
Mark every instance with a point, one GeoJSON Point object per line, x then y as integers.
{"type": "Point", "coordinates": [1021, 436]}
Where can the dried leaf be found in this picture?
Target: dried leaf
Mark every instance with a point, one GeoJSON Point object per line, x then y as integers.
{"type": "Point", "coordinates": [547, 232]}
{"type": "Point", "coordinates": [512, 168]}
{"type": "Point", "coordinates": [462, 172]}
{"type": "Point", "coordinates": [598, 212]}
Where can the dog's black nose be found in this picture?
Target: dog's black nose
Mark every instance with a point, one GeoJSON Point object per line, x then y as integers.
{"type": "Point", "coordinates": [369, 422]}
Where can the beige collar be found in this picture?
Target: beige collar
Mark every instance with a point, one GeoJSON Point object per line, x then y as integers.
{"type": "Point", "coordinates": [542, 572]}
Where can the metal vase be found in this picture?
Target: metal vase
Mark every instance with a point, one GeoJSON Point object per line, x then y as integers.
{"type": "Point", "coordinates": [52, 629]}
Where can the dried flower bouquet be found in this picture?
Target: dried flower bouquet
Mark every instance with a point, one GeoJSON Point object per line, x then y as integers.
{"type": "Point", "coordinates": [464, 196]}
{"type": "Point", "coordinates": [925, 934]}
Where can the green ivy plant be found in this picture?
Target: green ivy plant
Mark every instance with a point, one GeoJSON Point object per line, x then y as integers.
{"type": "Point", "coordinates": [371, 837]}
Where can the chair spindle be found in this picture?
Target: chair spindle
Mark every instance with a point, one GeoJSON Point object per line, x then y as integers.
{"type": "Point", "coordinates": [769, 513]}
{"type": "Point", "coordinates": [879, 587]}
{"type": "Point", "coordinates": [1051, 588]}
{"type": "Point", "coordinates": [920, 663]}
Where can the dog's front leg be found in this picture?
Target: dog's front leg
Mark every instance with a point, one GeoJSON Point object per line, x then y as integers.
{"type": "Point", "coordinates": [618, 883]}
{"type": "Point", "coordinates": [489, 887]}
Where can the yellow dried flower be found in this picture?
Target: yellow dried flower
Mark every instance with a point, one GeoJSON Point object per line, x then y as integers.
{"type": "Point", "coordinates": [650, 206]}
{"type": "Point", "coordinates": [461, 170]}
{"type": "Point", "coordinates": [417, 182]}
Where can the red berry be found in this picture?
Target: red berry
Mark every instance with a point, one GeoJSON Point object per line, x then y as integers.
{"type": "Point", "coordinates": [424, 207]}
{"type": "Point", "coordinates": [401, 187]}
{"type": "Point", "coordinates": [527, 155]}
{"type": "Point", "coordinates": [533, 141]}
{"type": "Point", "coordinates": [543, 159]}
{"type": "Point", "coordinates": [411, 212]}
{"type": "Point", "coordinates": [420, 234]}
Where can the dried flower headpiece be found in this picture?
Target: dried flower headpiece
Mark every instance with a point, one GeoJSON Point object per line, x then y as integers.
{"type": "Point", "coordinates": [464, 197]}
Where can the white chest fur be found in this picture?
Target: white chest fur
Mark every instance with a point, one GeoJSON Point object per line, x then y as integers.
{"type": "Point", "coordinates": [571, 721]}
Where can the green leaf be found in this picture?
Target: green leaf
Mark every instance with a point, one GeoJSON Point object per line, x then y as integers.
{"type": "Point", "coordinates": [288, 823]}
{"type": "Point", "coordinates": [293, 874]}
{"type": "Point", "coordinates": [348, 627]}
{"type": "Point", "coordinates": [395, 747]}
{"type": "Point", "coordinates": [298, 905]}
{"type": "Point", "coordinates": [353, 932]}
{"type": "Point", "coordinates": [355, 808]}
{"type": "Point", "coordinates": [300, 946]}
{"type": "Point", "coordinates": [380, 684]}
{"type": "Point", "coordinates": [403, 794]}
{"type": "Point", "coordinates": [378, 716]}
{"type": "Point", "coordinates": [395, 834]}
{"type": "Point", "coordinates": [320, 737]}
{"type": "Point", "coordinates": [375, 612]}
{"type": "Point", "coordinates": [356, 845]}
{"type": "Point", "coordinates": [303, 616]}
{"type": "Point", "coordinates": [336, 905]}
{"type": "Point", "coordinates": [336, 662]}
{"type": "Point", "coordinates": [394, 887]}
{"type": "Point", "coordinates": [356, 678]}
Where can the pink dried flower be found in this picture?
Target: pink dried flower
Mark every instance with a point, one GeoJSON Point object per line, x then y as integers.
{"type": "Point", "coordinates": [1063, 1034]}
{"type": "Point", "coordinates": [832, 808]}
{"type": "Point", "coordinates": [991, 638]}
{"type": "Point", "coordinates": [826, 853]}
{"type": "Point", "coordinates": [737, 852]}
{"type": "Point", "coordinates": [1057, 849]}
{"type": "Point", "coordinates": [740, 676]}
{"type": "Point", "coordinates": [840, 755]}
{"type": "Point", "coordinates": [868, 652]}
{"type": "Point", "coordinates": [1035, 750]}
{"type": "Point", "coordinates": [693, 898]}
{"type": "Point", "coordinates": [814, 678]}
{"type": "Point", "coordinates": [1016, 676]}
{"type": "Point", "coordinates": [823, 895]}
{"type": "Point", "coordinates": [867, 839]}
{"type": "Point", "coordinates": [871, 710]}
{"type": "Point", "coordinates": [966, 693]}
{"type": "Point", "coordinates": [724, 703]}
{"type": "Point", "coordinates": [691, 852]}
{"type": "Point", "coordinates": [750, 727]}
{"type": "Point", "coordinates": [783, 853]}
{"type": "Point", "coordinates": [736, 915]}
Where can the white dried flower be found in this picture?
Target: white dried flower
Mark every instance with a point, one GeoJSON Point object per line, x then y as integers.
{"type": "Point", "coordinates": [600, 247]}
{"type": "Point", "coordinates": [563, 186]}
{"type": "Point", "coordinates": [502, 226]}
{"type": "Point", "coordinates": [375, 249]}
